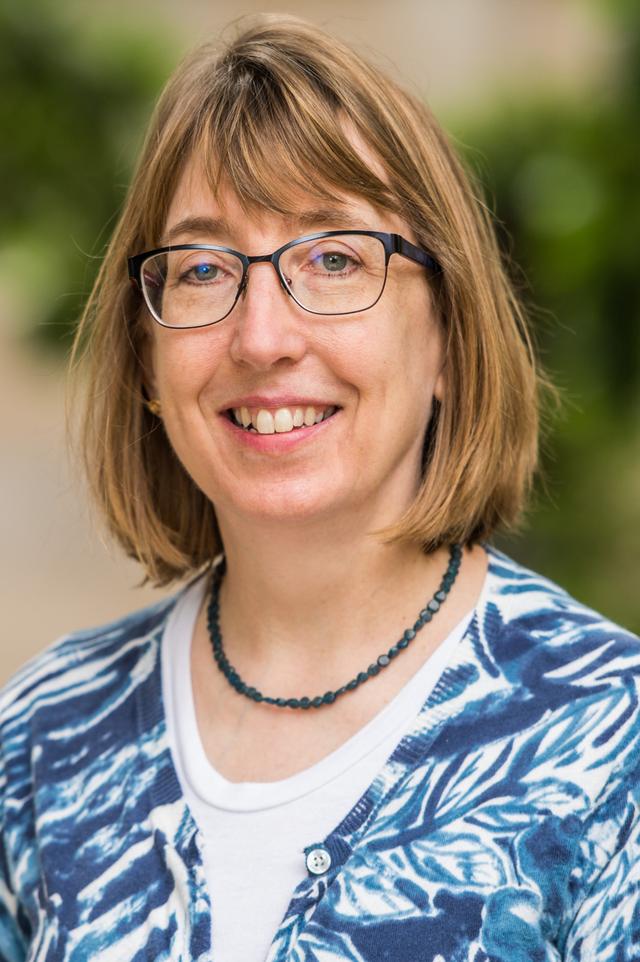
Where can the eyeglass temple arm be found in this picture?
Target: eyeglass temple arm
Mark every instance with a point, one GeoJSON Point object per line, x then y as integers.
{"type": "Point", "coordinates": [407, 249]}
{"type": "Point", "coordinates": [134, 271]}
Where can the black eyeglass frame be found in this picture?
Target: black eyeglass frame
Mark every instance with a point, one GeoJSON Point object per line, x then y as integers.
{"type": "Point", "coordinates": [392, 243]}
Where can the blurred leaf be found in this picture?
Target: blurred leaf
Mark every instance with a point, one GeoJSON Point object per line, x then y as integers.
{"type": "Point", "coordinates": [74, 108]}
{"type": "Point", "coordinates": [563, 181]}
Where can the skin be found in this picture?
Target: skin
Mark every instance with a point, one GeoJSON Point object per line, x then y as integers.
{"type": "Point", "coordinates": [311, 596]}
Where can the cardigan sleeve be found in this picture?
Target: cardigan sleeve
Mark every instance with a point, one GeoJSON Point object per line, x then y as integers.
{"type": "Point", "coordinates": [606, 926]}
{"type": "Point", "coordinates": [13, 946]}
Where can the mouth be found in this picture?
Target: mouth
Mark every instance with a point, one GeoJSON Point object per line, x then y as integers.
{"type": "Point", "coordinates": [283, 420]}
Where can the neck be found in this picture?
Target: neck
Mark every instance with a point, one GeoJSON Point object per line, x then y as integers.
{"type": "Point", "coordinates": [308, 599]}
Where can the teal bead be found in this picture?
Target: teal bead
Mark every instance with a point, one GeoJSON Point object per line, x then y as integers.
{"type": "Point", "coordinates": [440, 596]}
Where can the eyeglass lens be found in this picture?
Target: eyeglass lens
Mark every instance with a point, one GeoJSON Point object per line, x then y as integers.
{"type": "Point", "coordinates": [331, 275]}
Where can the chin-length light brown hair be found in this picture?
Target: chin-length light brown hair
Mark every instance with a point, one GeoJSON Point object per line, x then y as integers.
{"type": "Point", "coordinates": [270, 115]}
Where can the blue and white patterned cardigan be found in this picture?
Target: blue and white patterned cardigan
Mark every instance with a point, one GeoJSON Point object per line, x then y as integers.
{"type": "Point", "coordinates": [503, 828]}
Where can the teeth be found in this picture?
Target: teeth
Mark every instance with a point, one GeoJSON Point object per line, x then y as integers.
{"type": "Point", "coordinates": [282, 420]}
{"type": "Point", "coordinates": [264, 423]}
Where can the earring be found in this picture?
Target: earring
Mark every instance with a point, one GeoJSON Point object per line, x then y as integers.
{"type": "Point", "coordinates": [154, 406]}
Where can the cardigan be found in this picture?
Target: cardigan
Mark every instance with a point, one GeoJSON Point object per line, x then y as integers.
{"type": "Point", "coordinates": [267, 825]}
{"type": "Point", "coordinates": [503, 827]}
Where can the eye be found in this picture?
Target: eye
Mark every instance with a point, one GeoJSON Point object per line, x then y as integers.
{"type": "Point", "coordinates": [326, 261]}
{"type": "Point", "coordinates": [205, 270]}
{"type": "Point", "coordinates": [202, 272]}
{"type": "Point", "coordinates": [334, 261]}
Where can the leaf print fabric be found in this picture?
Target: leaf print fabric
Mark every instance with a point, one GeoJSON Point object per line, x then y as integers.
{"type": "Point", "coordinates": [504, 827]}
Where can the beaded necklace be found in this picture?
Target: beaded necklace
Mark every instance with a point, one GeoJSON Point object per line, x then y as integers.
{"type": "Point", "coordinates": [234, 679]}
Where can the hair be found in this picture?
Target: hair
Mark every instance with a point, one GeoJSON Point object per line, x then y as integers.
{"type": "Point", "coordinates": [280, 100]}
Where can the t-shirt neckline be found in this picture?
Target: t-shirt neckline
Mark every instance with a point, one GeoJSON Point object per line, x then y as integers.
{"type": "Point", "coordinates": [191, 762]}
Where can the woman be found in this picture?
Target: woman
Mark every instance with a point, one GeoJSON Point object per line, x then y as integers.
{"type": "Point", "coordinates": [360, 732]}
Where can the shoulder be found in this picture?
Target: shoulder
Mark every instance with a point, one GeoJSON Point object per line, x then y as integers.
{"type": "Point", "coordinates": [520, 602]}
{"type": "Point", "coordinates": [77, 722]}
{"type": "Point", "coordinates": [81, 668]}
{"type": "Point", "coordinates": [89, 694]}
{"type": "Point", "coordinates": [573, 681]}
{"type": "Point", "coordinates": [554, 668]}
{"type": "Point", "coordinates": [558, 671]}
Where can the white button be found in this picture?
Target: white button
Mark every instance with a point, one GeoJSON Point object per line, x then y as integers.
{"type": "Point", "coordinates": [318, 861]}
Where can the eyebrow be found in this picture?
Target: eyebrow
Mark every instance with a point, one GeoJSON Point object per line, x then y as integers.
{"type": "Point", "coordinates": [331, 218]}
{"type": "Point", "coordinates": [192, 226]}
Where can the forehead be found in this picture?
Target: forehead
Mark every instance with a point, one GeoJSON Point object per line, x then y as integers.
{"type": "Point", "coordinates": [200, 210]}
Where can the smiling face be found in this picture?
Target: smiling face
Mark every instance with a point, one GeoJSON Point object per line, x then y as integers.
{"type": "Point", "coordinates": [374, 375]}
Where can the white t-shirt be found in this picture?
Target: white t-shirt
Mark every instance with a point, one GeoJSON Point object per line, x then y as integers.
{"type": "Point", "coordinates": [255, 833]}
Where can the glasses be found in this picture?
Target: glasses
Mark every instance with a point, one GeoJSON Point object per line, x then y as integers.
{"type": "Point", "coordinates": [331, 272]}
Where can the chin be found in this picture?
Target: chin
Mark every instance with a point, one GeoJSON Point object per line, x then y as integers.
{"type": "Point", "coordinates": [286, 502]}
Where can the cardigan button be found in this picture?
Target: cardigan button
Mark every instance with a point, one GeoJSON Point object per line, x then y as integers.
{"type": "Point", "coordinates": [318, 861]}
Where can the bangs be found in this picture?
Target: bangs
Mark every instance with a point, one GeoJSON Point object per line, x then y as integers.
{"type": "Point", "coordinates": [278, 145]}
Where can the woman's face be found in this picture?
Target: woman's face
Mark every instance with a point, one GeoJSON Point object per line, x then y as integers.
{"type": "Point", "coordinates": [378, 370]}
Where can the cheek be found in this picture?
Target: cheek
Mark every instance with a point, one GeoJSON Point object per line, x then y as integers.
{"type": "Point", "coordinates": [186, 362]}
{"type": "Point", "coordinates": [408, 350]}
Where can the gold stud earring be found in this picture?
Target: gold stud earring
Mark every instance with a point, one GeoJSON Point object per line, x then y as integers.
{"type": "Point", "coordinates": [154, 406]}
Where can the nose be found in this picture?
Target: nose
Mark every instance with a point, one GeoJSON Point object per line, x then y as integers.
{"type": "Point", "coordinates": [267, 322]}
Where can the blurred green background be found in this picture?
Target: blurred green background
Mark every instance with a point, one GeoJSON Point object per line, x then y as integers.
{"type": "Point", "coordinates": [563, 178]}
{"type": "Point", "coordinates": [559, 165]}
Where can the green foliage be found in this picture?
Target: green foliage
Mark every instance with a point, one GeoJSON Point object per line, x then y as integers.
{"type": "Point", "coordinates": [75, 102]}
{"type": "Point", "coordinates": [563, 181]}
